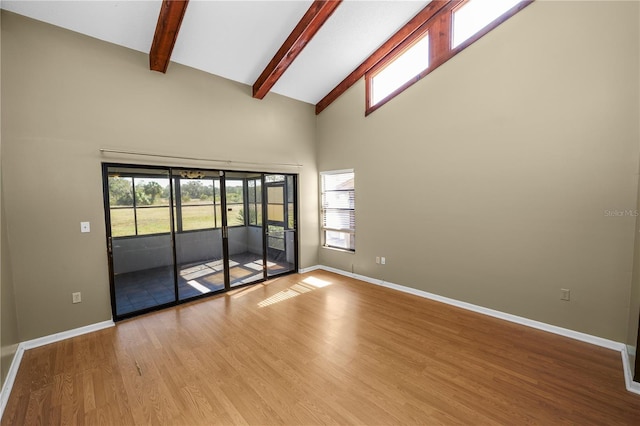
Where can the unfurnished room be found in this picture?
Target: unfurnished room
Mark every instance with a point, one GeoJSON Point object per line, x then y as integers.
{"type": "Point", "coordinates": [354, 212]}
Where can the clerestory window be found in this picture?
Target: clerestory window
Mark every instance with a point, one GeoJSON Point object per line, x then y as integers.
{"type": "Point", "coordinates": [449, 31]}
{"type": "Point", "coordinates": [472, 16]}
{"type": "Point", "coordinates": [407, 65]}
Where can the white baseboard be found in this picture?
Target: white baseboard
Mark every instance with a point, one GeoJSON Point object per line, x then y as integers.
{"type": "Point", "coordinates": [41, 341]}
{"type": "Point", "coordinates": [624, 350]}
{"type": "Point", "coordinates": [576, 335]}
{"type": "Point", "coordinates": [11, 377]}
{"type": "Point", "coordinates": [63, 335]}
{"type": "Point", "coordinates": [309, 269]}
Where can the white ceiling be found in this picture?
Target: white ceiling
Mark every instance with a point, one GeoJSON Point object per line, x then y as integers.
{"type": "Point", "coordinates": [237, 39]}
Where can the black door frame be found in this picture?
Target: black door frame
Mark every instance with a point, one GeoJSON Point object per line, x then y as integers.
{"type": "Point", "coordinates": [285, 223]}
{"type": "Point", "coordinates": [173, 232]}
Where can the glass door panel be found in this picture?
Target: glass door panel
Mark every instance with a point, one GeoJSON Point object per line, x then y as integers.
{"type": "Point", "coordinates": [198, 224]}
{"type": "Point", "coordinates": [139, 235]}
{"type": "Point", "coordinates": [175, 234]}
{"type": "Point", "coordinates": [245, 235]}
{"type": "Point", "coordinates": [281, 232]}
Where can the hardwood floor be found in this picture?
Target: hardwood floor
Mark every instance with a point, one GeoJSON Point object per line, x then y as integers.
{"type": "Point", "coordinates": [319, 348]}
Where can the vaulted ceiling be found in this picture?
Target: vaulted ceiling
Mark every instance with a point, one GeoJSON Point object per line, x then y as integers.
{"type": "Point", "coordinates": [238, 39]}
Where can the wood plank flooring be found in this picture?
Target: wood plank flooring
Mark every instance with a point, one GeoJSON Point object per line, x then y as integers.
{"type": "Point", "coordinates": [319, 348]}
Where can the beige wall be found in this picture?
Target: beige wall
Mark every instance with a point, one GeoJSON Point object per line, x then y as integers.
{"type": "Point", "coordinates": [488, 181]}
{"type": "Point", "coordinates": [64, 97]}
{"type": "Point", "coordinates": [634, 311]}
{"type": "Point", "coordinates": [8, 321]}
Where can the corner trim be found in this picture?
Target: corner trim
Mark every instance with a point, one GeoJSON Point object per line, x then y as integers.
{"type": "Point", "coordinates": [628, 377]}
{"type": "Point", "coordinates": [11, 378]}
{"type": "Point", "coordinates": [631, 350]}
{"type": "Point", "coordinates": [572, 334]}
{"type": "Point", "coordinates": [41, 341]}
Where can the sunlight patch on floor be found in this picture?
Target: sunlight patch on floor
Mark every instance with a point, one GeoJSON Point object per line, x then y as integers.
{"type": "Point", "coordinates": [306, 285]}
{"type": "Point", "coordinates": [202, 289]}
{"type": "Point", "coordinates": [278, 297]}
{"type": "Point", "coordinates": [316, 282]}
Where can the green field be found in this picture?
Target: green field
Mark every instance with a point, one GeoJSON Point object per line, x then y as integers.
{"type": "Point", "coordinates": [156, 220]}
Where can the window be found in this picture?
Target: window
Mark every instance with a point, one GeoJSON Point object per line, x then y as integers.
{"type": "Point", "coordinates": [235, 202]}
{"type": "Point", "coordinates": [254, 190]}
{"type": "Point", "coordinates": [436, 36]}
{"type": "Point", "coordinates": [406, 66]}
{"type": "Point", "coordinates": [199, 204]}
{"type": "Point", "coordinates": [338, 209]}
{"type": "Point", "coordinates": [139, 205]}
{"type": "Point", "coordinates": [474, 15]}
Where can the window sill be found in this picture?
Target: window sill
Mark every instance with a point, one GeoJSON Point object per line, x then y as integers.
{"type": "Point", "coordinates": [339, 249]}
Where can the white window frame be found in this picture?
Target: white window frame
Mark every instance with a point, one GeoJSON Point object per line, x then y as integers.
{"type": "Point", "coordinates": [324, 207]}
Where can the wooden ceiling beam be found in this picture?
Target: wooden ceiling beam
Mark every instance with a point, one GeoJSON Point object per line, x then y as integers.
{"type": "Point", "coordinates": [403, 33]}
{"type": "Point", "coordinates": [169, 21]}
{"type": "Point", "coordinates": [311, 22]}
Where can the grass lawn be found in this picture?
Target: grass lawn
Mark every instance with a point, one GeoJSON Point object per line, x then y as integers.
{"type": "Point", "coordinates": [156, 220]}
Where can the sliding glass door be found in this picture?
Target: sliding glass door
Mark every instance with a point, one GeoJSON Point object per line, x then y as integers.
{"type": "Point", "coordinates": [197, 206]}
{"type": "Point", "coordinates": [175, 234]}
{"type": "Point", "coordinates": [281, 223]}
{"type": "Point", "coordinates": [246, 255]}
{"type": "Point", "coordinates": [140, 238]}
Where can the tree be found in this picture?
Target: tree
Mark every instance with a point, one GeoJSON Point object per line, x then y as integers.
{"type": "Point", "coordinates": [120, 191]}
{"type": "Point", "coordinates": [240, 217]}
{"type": "Point", "coordinates": [152, 190]}
{"type": "Point", "coordinates": [165, 192]}
{"type": "Point", "coordinates": [142, 199]}
{"type": "Point", "coordinates": [192, 190]}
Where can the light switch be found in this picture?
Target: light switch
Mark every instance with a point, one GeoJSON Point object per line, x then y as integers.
{"type": "Point", "coordinates": [85, 227]}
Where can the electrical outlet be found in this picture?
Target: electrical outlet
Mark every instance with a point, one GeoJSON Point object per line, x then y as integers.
{"type": "Point", "coordinates": [565, 294]}
{"type": "Point", "coordinates": [76, 297]}
{"type": "Point", "coordinates": [378, 259]}
{"type": "Point", "coordinates": [383, 260]}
